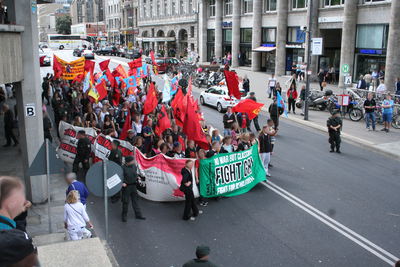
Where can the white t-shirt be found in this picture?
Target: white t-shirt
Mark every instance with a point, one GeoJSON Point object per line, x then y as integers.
{"type": "Point", "coordinates": [271, 82]}
{"type": "Point", "coordinates": [381, 89]}
{"type": "Point", "coordinates": [75, 215]}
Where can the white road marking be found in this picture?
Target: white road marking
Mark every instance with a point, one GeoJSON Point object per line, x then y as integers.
{"type": "Point", "coordinates": [340, 228]}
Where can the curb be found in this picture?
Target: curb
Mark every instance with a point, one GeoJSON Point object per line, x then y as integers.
{"type": "Point", "coordinates": [349, 138]}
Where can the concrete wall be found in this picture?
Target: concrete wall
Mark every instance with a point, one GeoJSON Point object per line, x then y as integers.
{"type": "Point", "coordinates": [10, 54]}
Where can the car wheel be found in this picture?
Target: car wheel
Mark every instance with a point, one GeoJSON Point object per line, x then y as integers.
{"type": "Point", "coordinates": [219, 108]}
{"type": "Point", "coordinates": [202, 100]}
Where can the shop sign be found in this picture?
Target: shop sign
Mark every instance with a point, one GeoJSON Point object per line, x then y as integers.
{"type": "Point", "coordinates": [330, 19]}
{"type": "Point", "coordinates": [371, 51]}
{"type": "Point", "coordinates": [227, 24]}
{"type": "Point", "coordinates": [300, 36]}
{"type": "Point", "coordinates": [268, 45]}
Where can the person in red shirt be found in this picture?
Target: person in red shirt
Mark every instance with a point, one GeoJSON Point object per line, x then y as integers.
{"type": "Point", "coordinates": [292, 96]}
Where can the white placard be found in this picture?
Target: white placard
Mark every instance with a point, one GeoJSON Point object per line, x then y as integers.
{"type": "Point", "coordinates": [113, 181]}
{"type": "Point", "coordinates": [347, 80]}
{"type": "Point", "coordinates": [317, 46]}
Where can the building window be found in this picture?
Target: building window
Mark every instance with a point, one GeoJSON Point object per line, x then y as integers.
{"type": "Point", "coordinates": [295, 35]}
{"type": "Point", "coordinates": [227, 38]}
{"type": "Point", "coordinates": [191, 31]}
{"type": "Point", "coordinates": [181, 7]}
{"type": "Point", "coordinates": [372, 36]}
{"type": "Point", "coordinates": [373, 1]}
{"type": "Point", "coordinates": [269, 5]}
{"type": "Point", "coordinates": [144, 8]}
{"type": "Point", "coordinates": [334, 2]}
{"type": "Point", "coordinates": [166, 10]}
{"type": "Point", "coordinates": [174, 9]}
{"type": "Point", "coordinates": [227, 7]}
{"type": "Point", "coordinates": [211, 8]}
{"type": "Point", "coordinates": [245, 35]}
{"type": "Point", "coordinates": [210, 35]}
{"type": "Point", "coordinates": [247, 6]}
{"type": "Point", "coordinates": [268, 35]}
{"type": "Point", "coordinates": [190, 6]}
{"type": "Point", "coordinates": [158, 11]}
{"type": "Point", "coordinates": [296, 4]}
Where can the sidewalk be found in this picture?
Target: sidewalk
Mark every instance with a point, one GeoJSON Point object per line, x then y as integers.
{"type": "Point", "coordinates": [355, 132]}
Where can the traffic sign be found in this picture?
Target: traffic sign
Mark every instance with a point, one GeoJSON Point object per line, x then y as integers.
{"type": "Point", "coordinates": [95, 178]}
{"type": "Point", "coordinates": [347, 80]}
{"type": "Point", "coordinates": [345, 68]}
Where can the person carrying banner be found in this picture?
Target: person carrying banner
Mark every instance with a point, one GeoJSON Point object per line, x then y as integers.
{"type": "Point", "coordinates": [129, 191]}
{"type": "Point", "coordinates": [83, 150]}
{"type": "Point", "coordinates": [187, 188]}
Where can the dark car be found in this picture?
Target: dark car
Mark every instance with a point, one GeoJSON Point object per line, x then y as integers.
{"type": "Point", "coordinates": [108, 51]}
{"type": "Point", "coordinates": [77, 52]}
{"type": "Point", "coordinates": [167, 64]}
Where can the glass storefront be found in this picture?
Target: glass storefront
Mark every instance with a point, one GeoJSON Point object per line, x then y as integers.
{"type": "Point", "coordinates": [227, 41]}
{"type": "Point", "coordinates": [245, 47]}
{"type": "Point", "coordinates": [210, 45]}
{"type": "Point", "coordinates": [368, 63]}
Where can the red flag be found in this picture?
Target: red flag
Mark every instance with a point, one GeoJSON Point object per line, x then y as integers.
{"type": "Point", "coordinates": [110, 78]}
{"type": "Point", "coordinates": [121, 71]}
{"type": "Point", "coordinates": [116, 97]}
{"type": "Point", "coordinates": [79, 78]}
{"type": "Point", "coordinates": [151, 100]}
{"type": "Point", "coordinates": [104, 65]}
{"type": "Point", "coordinates": [179, 105]}
{"type": "Point", "coordinates": [137, 63]}
{"type": "Point", "coordinates": [101, 90]}
{"type": "Point", "coordinates": [163, 122]}
{"type": "Point", "coordinates": [41, 60]}
{"type": "Point", "coordinates": [153, 59]}
{"type": "Point", "coordinates": [249, 106]}
{"type": "Point", "coordinates": [57, 68]}
{"type": "Point", "coordinates": [89, 67]}
{"type": "Point", "coordinates": [182, 142]}
{"type": "Point", "coordinates": [232, 83]}
{"type": "Point", "coordinates": [127, 126]}
{"type": "Point", "coordinates": [192, 128]}
{"type": "Point", "coordinates": [132, 72]}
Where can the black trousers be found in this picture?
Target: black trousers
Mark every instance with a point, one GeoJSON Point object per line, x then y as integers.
{"type": "Point", "coordinates": [9, 133]}
{"type": "Point", "coordinates": [256, 125]}
{"type": "Point", "coordinates": [292, 104]}
{"type": "Point", "coordinates": [45, 95]}
{"type": "Point", "coordinates": [190, 205]}
{"type": "Point", "coordinates": [85, 165]}
{"type": "Point", "coordinates": [130, 193]}
{"type": "Point", "coordinates": [276, 121]}
{"type": "Point", "coordinates": [335, 140]}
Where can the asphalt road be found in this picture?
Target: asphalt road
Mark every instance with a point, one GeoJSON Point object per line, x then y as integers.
{"type": "Point", "coordinates": [358, 189]}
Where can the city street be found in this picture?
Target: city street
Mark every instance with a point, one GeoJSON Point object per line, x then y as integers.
{"type": "Point", "coordinates": [317, 209]}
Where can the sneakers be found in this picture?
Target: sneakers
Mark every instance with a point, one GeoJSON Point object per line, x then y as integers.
{"type": "Point", "coordinates": [204, 203]}
{"type": "Point", "coordinates": [270, 165]}
{"type": "Point", "coordinates": [192, 218]}
{"type": "Point", "coordinates": [331, 151]}
{"type": "Point", "coordinates": [200, 212]}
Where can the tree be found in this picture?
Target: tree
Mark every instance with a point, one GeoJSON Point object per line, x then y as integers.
{"type": "Point", "coordinates": [63, 25]}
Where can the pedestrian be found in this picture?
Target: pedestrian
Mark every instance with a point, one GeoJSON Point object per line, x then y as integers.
{"type": "Point", "coordinates": [148, 135]}
{"type": "Point", "coordinates": [244, 143]}
{"type": "Point", "coordinates": [272, 86]}
{"type": "Point", "coordinates": [381, 89]}
{"type": "Point", "coordinates": [387, 114]}
{"type": "Point", "coordinates": [215, 136]}
{"type": "Point", "coordinates": [242, 122]}
{"type": "Point", "coordinates": [75, 217]}
{"type": "Point", "coordinates": [8, 126]}
{"type": "Point", "coordinates": [369, 106]}
{"type": "Point", "coordinates": [202, 255]}
{"type": "Point", "coordinates": [17, 249]}
{"type": "Point", "coordinates": [368, 80]}
{"type": "Point", "coordinates": [303, 99]}
{"type": "Point", "coordinates": [12, 201]}
{"type": "Point", "coordinates": [187, 188]}
{"type": "Point", "coordinates": [190, 151]}
{"type": "Point", "coordinates": [334, 125]}
{"type": "Point", "coordinates": [215, 148]}
{"type": "Point", "coordinates": [292, 96]}
{"type": "Point", "coordinates": [228, 120]}
{"type": "Point", "coordinates": [227, 146]}
{"type": "Point", "coordinates": [115, 153]}
{"type": "Point", "coordinates": [321, 79]}
{"type": "Point", "coordinates": [397, 88]}
{"type": "Point", "coordinates": [45, 91]}
{"type": "Point", "coordinates": [73, 184]}
{"type": "Point", "coordinates": [83, 150]}
{"type": "Point", "coordinates": [278, 89]}
{"type": "Point", "coordinates": [246, 84]}
{"type": "Point", "coordinates": [255, 120]}
{"type": "Point", "coordinates": [275, 112]}
{"type": "Point", "coordinates": [264, 140]}
{"type": "Point", "coordinates": [129, 191]}
{"type": "Point", "coordinates": [47, 127]}
{"type": "Point", "coordinates": [361, 84]}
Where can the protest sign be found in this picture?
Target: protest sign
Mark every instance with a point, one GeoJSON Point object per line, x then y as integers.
{"type": "Point", "coordinates": [231, 174]}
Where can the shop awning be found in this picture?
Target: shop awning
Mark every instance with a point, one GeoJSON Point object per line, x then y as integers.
{"type": "Point", "coordinates": [264, 49]}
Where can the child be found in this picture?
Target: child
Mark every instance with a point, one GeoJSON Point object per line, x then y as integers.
{"type": "Point", "coordinates": [215, 136]}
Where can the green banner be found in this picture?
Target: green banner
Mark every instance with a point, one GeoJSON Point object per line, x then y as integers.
{"type": "Point", "coordinates": [231, 174]}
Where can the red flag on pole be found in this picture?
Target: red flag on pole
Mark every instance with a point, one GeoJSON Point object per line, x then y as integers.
{"type": "Point", "coordinates": [89, 67]}
{"type": "Point", "coordinates": [163, 122]}
{"type": "Point", "coordinates": [151, 100]}
{"type": "Point", "coordinates": [137, 63]}
{"type": "Point", "coordinates": [192, 128]}
{"type": "Point", "coordinates": [101, 90]}
{"type": "Point", "coordinates": [127, 126]}
{"type": "Point", "coordinates": [104, 65]}
{"type": "Point", "coordinates": [249, 106]}
{"type": "Point", "coordinates": [57, 68]}
{"type": "Point", "coordinates": [121, 71]}
{"type": "Point", "coordinates": [179, 105]}
{"type": "Point", "coordinates": [232, 83]}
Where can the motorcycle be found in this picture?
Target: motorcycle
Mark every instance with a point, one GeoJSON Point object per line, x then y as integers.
{"type": "Point", "coordinates": [201, 79]}
{"type": "Point", "coordinates": [353, 109]}
{"type": "Point", "coordinates": [315, 100]}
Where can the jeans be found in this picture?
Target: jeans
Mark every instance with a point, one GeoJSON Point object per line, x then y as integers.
{"type": "Point", "coordinates": [227, 132]}
{"type": "Point", "coordinates": [292, 104]}
{"type": "Point", "coordinates": [370, 116]}
{"type": "Point", "coordinates": [265, 159]}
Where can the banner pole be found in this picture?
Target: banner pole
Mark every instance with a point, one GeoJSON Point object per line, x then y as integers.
{"type": "Point", "coordinates": [48, 181]}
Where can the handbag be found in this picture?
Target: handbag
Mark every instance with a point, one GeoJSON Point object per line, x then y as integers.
{"type": "Point", "coordinates": [323, 84]}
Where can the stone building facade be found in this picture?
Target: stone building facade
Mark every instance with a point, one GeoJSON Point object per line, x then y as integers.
{"type": "Point", "coordinates": [269, 35]}
{"type": "Point", "coordinates": [129, 22]}
{"type": "Point", "coordinates": [168, 26]}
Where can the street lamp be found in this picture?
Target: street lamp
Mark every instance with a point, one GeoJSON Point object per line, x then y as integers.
{"type": "Point", "coordinates": [308, 32]}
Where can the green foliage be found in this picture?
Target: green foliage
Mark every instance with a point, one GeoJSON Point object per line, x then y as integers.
{"type": "Point", "coordinates": [63, 25]}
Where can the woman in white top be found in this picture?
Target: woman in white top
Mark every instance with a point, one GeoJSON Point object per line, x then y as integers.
{"type": "Point", "coordinates": [75, 217]}
{"type": "Point", "coordinates": [137, 125]}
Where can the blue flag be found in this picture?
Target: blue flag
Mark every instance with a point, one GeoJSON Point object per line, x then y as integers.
{"type": "Point", "coordinates": [281, 103]}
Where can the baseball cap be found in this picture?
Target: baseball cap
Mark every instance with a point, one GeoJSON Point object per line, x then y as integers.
{"type": "Point", "coordinates": [202, 251]}
{"type": "Point", "coordinates": [15, 245]}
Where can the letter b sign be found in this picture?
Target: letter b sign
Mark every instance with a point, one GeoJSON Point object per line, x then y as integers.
{"type": "Point", "coordinates": [30, 110]}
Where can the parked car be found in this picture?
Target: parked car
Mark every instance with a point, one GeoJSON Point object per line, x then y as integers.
{"type": "Point", "coordinates": [77, 52]}
{"type": "Point", "coordinates": [217, 96]}
{"type": "Point", "coordinates": [167, 64]}
{"type": "Point", "coordinates": [108, 51]}
{"type": "Point", "coordinates": [88, 54]}
{"type": "Point", "coordinates": [133, 54]}
{"type": "Point", "coordinates": [147, 60]}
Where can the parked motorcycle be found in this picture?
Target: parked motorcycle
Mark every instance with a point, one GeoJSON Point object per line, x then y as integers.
{"type": "Point", "coordinates": [315, 100]}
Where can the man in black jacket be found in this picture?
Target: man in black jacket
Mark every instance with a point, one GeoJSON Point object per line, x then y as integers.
{"type": "Point", "coordinates": [129, 190]}
{"type": "Point", "coordinates": [255, 120]}
{"type": "Point", "coordinates": [228, 120]}
{"type": "Point", "coordinates": [83, 151]}
{"type": "Point", "coordinates": [275, 112]}
{"type": "Point", "coordinates": [334, 124]}
{"type": "Point", "coordinates": [8, 126]}
{"type": "Point", "coordinates": [187, 188]}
